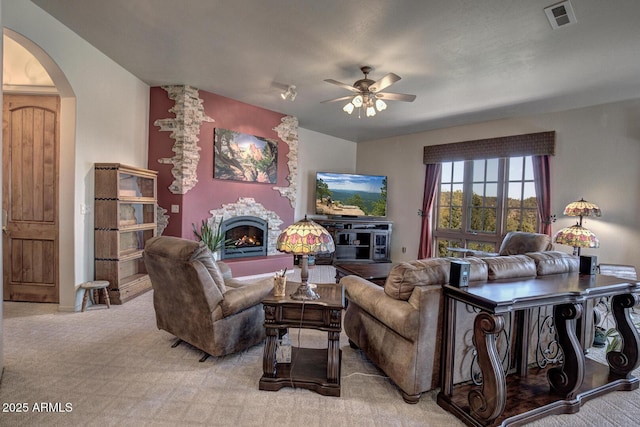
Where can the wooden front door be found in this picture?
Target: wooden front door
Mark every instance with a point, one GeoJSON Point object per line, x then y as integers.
{"type": "Point", "coordinates": [30, 132]}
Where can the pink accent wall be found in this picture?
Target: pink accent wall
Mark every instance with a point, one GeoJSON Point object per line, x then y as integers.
{"type": "Point", "coordinates": [210, 193]}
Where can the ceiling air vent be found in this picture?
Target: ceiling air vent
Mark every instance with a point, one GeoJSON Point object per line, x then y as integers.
{"type": "Point", "coordinates": [560, 15]}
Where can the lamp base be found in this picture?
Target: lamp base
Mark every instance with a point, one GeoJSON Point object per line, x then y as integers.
{"type": "Point", "coordinates": [304, 293]}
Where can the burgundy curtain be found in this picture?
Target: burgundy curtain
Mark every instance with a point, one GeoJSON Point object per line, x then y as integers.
{"type": "Point", "coordinates": [542, 178]}
{"type": "Point", "coordinates": [431, 179]}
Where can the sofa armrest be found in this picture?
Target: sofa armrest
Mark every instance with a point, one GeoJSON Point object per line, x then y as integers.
{"type": "Point", "coordinates": [398, 315]}
{"type": "Point", "coordinates": [510, 266]}
{"type": "Point", "coordinates": [246, 296]}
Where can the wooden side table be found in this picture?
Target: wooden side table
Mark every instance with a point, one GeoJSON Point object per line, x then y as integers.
{"type": "Point", "coordinates": [310, 368]}
{"type": "Point", "coordinates": [373, 272]}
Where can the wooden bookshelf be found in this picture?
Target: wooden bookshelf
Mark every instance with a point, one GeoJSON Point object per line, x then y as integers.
{"type": "Point", "coordinates": [125, 218]}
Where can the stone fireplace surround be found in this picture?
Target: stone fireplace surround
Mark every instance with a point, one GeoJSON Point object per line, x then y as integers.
{"type": "Point", "coordinates": [247, 206]}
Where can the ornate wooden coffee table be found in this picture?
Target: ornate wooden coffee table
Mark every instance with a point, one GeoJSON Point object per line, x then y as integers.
{"type": "Point", "coordinates": [374, 272]}
{"type": "Point", "coordinates": [310, 368]}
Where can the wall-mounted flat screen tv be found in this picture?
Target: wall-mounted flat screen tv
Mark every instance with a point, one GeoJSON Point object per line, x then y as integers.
{"type": "Point", "coordinates": [351, 195]}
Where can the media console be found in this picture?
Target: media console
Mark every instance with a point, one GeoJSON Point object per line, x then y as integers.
{"type": "Point", "coordinates": [357, 240]}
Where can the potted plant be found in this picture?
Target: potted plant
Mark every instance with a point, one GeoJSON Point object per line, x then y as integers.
{"type": "Point", "coordinates": [214, 239]}
{"type": "Point", "coordinates": [614, 340]}
{"type": "Point", "coordinates": [609, 337]}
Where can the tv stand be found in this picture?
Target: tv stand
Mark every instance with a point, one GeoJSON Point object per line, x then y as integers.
{"type": "Point", "coordinates": [357, 240]}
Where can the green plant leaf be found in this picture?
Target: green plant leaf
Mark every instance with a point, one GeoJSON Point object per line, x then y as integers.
{"type": "Point", "coordinates": [614, 340]}
{"type": "Point", "coordinates": [214, 239]}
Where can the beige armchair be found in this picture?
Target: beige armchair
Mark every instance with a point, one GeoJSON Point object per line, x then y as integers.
{"type": "Point", "coordinates": [197, 301]}
{"type": "Point", "coordinates": [399, 326]}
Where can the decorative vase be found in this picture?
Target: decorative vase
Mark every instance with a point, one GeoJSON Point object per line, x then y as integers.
{"type": "Point", "coordinates": [279, 285]}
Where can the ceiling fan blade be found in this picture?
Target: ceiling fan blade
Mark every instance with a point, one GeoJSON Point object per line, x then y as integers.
{"type": "Point", "coordinates": [342, 98]}
{"type": "Point", "coordinates": [342, 85]}
{"type": "Point", "coordinates": [384, 82]}
{"type": "Point", "coordinates": [396, 97]}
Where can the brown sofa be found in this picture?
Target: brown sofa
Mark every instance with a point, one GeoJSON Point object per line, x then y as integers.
{"type": "Point", "coordinates": [399, 326]}
{"type": "Point", "coordinates": [196, 299]}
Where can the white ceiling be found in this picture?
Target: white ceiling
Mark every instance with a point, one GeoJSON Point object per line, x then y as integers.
{"type": "Point", "coordinates": [466, 60]}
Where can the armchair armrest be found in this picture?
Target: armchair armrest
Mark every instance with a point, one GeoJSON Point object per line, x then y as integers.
{"type": "Point", "coordinates": [246, 296]}
{"type": "Point", "coordinates": [400, 316]}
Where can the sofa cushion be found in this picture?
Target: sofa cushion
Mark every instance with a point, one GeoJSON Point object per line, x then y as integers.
{"type": "Point", "coordinates": [520, 242]}
{"type": "Point", "coordinates": [507, 267]}
{"type": "Point", "coordinates": [554, 262]}
{"type": "Point", "coordinates": [407, 275]}
{"type": "Point", "coordinates": [204, 255]}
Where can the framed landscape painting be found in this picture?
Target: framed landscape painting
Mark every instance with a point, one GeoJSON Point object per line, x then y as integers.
{"type": "Point", "coordinates": [242, 157]}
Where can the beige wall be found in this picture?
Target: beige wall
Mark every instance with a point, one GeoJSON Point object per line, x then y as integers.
{"type": "Point", "coordinates": [597, 156]}
{"type": "Point", "coordinates": [103, 119]}
{"type": "Point", "coordinates": [319, 152]}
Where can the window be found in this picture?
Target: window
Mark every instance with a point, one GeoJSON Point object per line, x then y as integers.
{"type": "Point", "coordinates": [480, 200]}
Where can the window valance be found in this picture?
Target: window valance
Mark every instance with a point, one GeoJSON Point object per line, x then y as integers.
{"type": "Point", "coordinates": [532, 144]}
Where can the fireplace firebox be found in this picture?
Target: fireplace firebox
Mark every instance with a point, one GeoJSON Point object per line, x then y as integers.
{"type": "Point", "coordinates": [246, 236]}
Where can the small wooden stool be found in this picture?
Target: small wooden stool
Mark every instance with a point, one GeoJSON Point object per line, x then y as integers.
{"type": "Point", "coordinates": [94, 287]}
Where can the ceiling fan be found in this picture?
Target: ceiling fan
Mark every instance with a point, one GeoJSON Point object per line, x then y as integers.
{"type": "Point", "coordinates": [368, 93]}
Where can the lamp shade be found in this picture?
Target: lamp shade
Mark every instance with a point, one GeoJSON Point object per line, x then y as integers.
{"type": "Point", "coordinates": [305, 237]}
{"type": "Point", "coordinates": [582, 208]}
{"type": "Point", "coordinates": [576, 236]}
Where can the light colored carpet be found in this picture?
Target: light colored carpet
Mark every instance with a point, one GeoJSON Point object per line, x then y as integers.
{"type": "Point", "coordinates": [115, 368]}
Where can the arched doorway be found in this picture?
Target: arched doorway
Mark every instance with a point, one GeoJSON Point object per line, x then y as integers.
{"type": "Point", "coordinates": [66, 179]}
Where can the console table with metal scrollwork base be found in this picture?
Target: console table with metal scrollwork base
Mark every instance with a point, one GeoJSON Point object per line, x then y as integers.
{"type": "Point", "coordinates": [310, 368]}
{"type": "Point", "coordinates": [526, 393]}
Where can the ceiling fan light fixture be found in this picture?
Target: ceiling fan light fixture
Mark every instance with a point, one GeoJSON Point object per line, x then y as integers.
{"type": "Point", "coordinates": [366, 94]}
{"type": "Point", "coordinates": [381, 105]}
{"type": "Point", "coordinates": [371, 111]}
{"type": "Point", "coordinates": [348, 108]}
